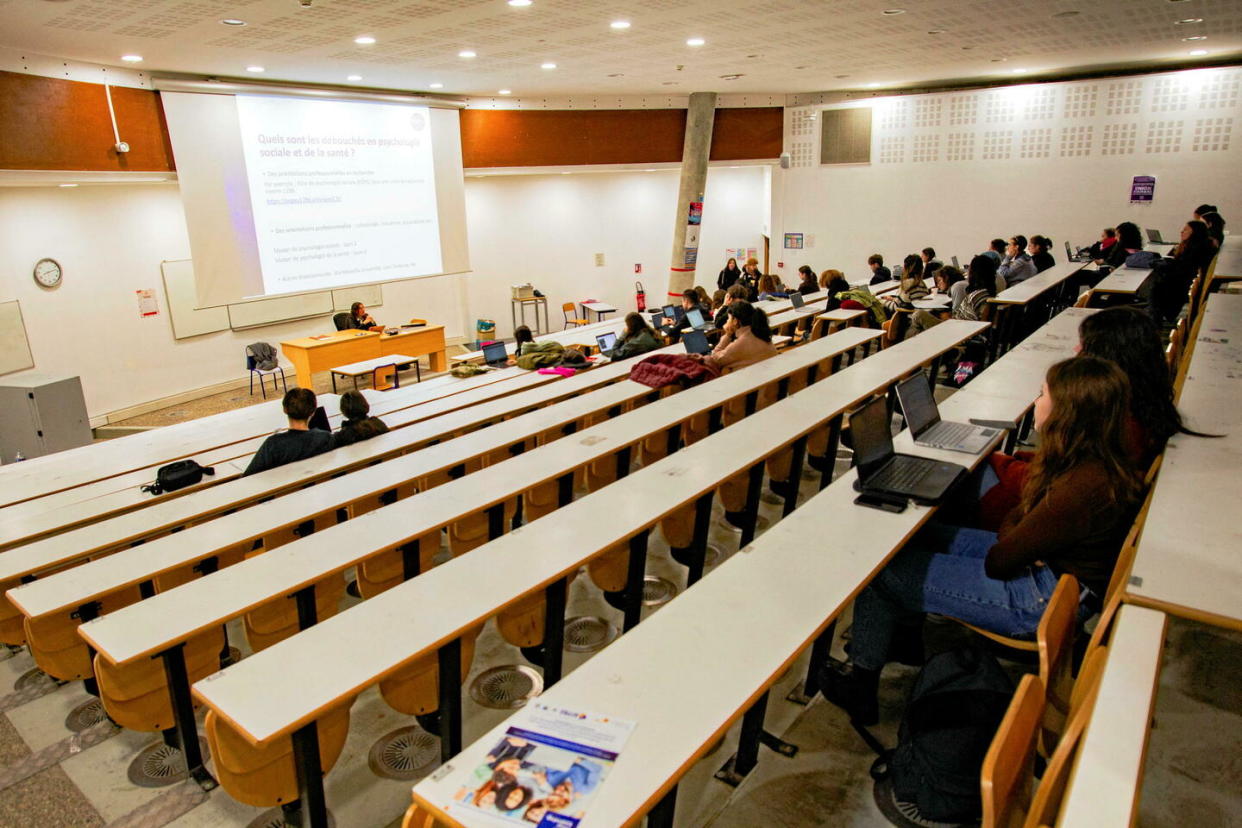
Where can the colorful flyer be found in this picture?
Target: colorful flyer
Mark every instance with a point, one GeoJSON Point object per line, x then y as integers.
{"type": "Point", "coordinates": [793, 241]}
{"type": "Point", "coordinates": [696, 213]}
{"type": "Point", "coordinates": [543, 772]}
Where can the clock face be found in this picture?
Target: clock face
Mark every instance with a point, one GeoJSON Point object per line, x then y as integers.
{"type": "Point", "coordinates": [47, 272]}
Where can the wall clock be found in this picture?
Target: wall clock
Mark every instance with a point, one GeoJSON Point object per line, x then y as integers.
{"type": "Point", "coordinates": [47, 273]}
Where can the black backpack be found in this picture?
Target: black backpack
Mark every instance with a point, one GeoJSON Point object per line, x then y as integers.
{"type": "Point", "coordinates": [955, 707]}
{"type": "Point", "coordinates": [177, 475]}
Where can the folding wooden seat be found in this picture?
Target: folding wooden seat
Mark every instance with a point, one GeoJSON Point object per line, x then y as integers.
{"type": "Point", "coordinates": [55, 644]}
{"type": "Point", "coordinates": [266, 776]}
{"type": "Point", "coordinates": [184, 574]}
{"type": "Point", "coordinates": [473, 530]}
{"type": "Point", "coordinates": [610, 571]}
{"type": "Point", "coordinates": [414, 688]}
{"type": "Point", "coordinates": [136, 696]}
{"type": "Point", "coordinates": [288, 534]}
{"type": "Point", "coordinates": [387, 569]}
{"type": "Point", "coordinates": [522, 622]}
{"type": "Point", "coordinates": [277, 619]}
{"type": "Point", "coordinates": [1008, 777]}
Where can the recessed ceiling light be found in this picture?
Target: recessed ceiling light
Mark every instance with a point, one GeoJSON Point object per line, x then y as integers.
{"type": "Point", "coordinates": [1198, 52]}
{"type": "Point", "coordinates": [617, 75]}
{"type": "Point", "coordinates": [839, 77]}
{"type": "Point", "coordinates": [354, 77]}
{"type": "Point", "coordinates": [519, 3]}
{"type": "Point", "coordinates": [466, 53]}
{"type": "Point", "coordinates": [435, 86]}
{"type": "Point", "coordinates": [734, 76]}
{"type": "Point", "coordinates": [891, 12]}
{"type": "Point", "coordinates": [255, 69]}
{"type": "Point", "coordinates": [504, 91]}
{"type": "Point", "coordinates": [695, 41]}
{"type": "Point", "coordinates": [233, 21]}
{"type": "Point", "coordinates": [1196, 37]}
{"type": "Point", "coordinates": [132, 58]}
{"type": "Point", "coordinates": [547, 66]}
{"type": "Point", "coordinates": [364, 40]}
{"type": "Point", "coordinates": [873, 85]}
{"type": "Point", "coordinates": [1069, 13]}
{"type": "Point", "coordinates": [1188, 21]}
{"type": "Point", "coordinates": [68, 185]}
{"type": "Point", "coordinates": [1019, 71]}
{"type": "Point", "coordinates": [967, 48]}
{"type": "Point", "coordinates": [935, 31]}
{"type": "Point", "coordinates": [620, 24]}
{"type": "Point", "coordinates": [999, 60]}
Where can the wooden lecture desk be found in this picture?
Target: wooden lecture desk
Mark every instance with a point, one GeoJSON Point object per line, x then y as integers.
{"type": "Point", "coordinates": [1187, 563]}
{"type": "Point", "coordinates": [326, 351]}
{"type": "Point", "coordinates": [1123, 280]}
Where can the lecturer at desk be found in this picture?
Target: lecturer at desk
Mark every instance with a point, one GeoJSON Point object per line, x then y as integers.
{"type": "Point", "coordinates": [360, 320]}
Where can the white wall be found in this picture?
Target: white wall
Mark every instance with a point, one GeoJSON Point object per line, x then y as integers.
{"type": "Point", "coordinates": [546, 229]}
{"type": "Point", "coordinates": [914, 194]}
{"type": "Point", "coordinates": [110, 240]}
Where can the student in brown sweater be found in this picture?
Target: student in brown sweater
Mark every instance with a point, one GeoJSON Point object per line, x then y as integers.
{"type": "Point", "coordinates": [747, 338]}
{"type": "Point", "coordinates": [1077, 505]}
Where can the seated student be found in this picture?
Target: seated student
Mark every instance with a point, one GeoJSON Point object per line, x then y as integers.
{"type": "Point", "coordinates": [357, 425]}
{"type": "Point", "coordinates": [637, 338]}
{"type": "Point", "coordinates": [705, 301]}
{"type": "Point", "coordinates": [1128, 337]}
{"type": "Point", "coordinates": [672, 325]}
{"type": "Point", "coordinates": [1203, 209]}
{"type": "Point", "coordinates": [834, 283]}
{"type": "Point", "coordinates": [747, 338]}
{"type": "Point", "coordinates": [808, 283]}
{"type": "Point", "coordinates": [359, 319]}
{"type": "Point", "coordinates": [1215, 228]}
{"type": "Point", "coordinates": [718, 300]}
{"type": "Point", "coordinates": [971, 307]}
{"type": "Point", "coordinates": [733, 294]}
{"type": "Point", "coordinates": [1077, 505]}
{"type": "Point", "coordinates": [523, 340]}
{"type": "Point", "coordinates": [769, 288]}
{"type": "Point", "coordinates": [1038, 247]}
{"type": "Point", "coordinates": [1172, 276]}
{"type": "Point", "coordinates": [1016, 266]}
{"type": "Point", "coordinates": [928, 255]}
{"type": "Point", "coordinates": [948, 276]}
{"type": "Point", "coordinates": [1108, 238]}
{"type": "Point", "coordinates": [913, 285]}
{"type": "Point", "coordinates": [299, 442]}
{"type": "Point", "coordinates": [879, 273]}
{"type": "Point", "coordinates": [996, 250]}
{"type": "Point", "coordinates": [1129, 241]}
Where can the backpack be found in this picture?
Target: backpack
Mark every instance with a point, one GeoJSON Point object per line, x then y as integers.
{"type": "Point", "coordinates": [955, 707]}
{"type": "Point", "coordinates": [1142, 259]}
{"type": "Point", "coordinates": [177, 475]}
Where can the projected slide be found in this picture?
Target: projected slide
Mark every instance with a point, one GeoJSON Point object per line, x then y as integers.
{"type": "Point", "coordinates": [342, 192]}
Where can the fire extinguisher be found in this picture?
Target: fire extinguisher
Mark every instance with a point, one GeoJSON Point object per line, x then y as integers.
{"type": "Point", "coordinates": [640, 296]}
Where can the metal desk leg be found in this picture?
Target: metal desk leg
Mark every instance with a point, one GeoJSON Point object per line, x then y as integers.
{"type": "Point", "coordinates": [751, 510]}
{"type": "Point", "coordinates": [634, 575]}
{"type": "Point", "coordinates": [310, 775]}
{"type": "Point", "coordinates": [183, 714]}
{"type": "Point", "coordinates": [820, 649]}
{"type": "Point", "coordinates": [661, 816]}
{"type": "Point", "coordinates": [449, 658]}
{"type": "Point", "coordinates": [753, 734]}
{"type": "Point", "coordinates": [555, 595]}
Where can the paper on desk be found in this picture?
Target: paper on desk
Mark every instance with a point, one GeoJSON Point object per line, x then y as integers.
{"type": "Point", "coordinates": [543, 772]}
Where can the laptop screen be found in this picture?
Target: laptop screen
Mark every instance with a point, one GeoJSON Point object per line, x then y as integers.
{"type": "Point", "coordinates": [873, 439]}
{"type": "Point", "coordinates": [1154, 235]}
{"type": "Point", "coordinates": [494, 352]}
{"type": "Point", "coordinates": [917, 403]}
{"type": "Point", "coordinates": [956, 263]}
{"type": "Point", "coordinates": [796, 299]}
{"type": "Point", "coordinates": [695, 317]}
{"type": "Point", "coordinates": [657, 318]}
{"type": "Point", "coordinates": [607, 341]}
{"type": "Point", "coordinates": [670, 311]}
{"type": "Point", "coordinates": [695, 342]}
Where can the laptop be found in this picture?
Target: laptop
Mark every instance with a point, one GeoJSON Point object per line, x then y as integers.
{"type": "Point", "coordinates": [495, 354]}
{"type": "Point", "coordinates": [657, 318]}
{"type": "Point", "coordinates": [923, 416]}
{"type": "Point", "coordinates": [881, 470]}
{"type": "Point", "coordinates": [606, 341]}
{"type": "Point", "coordinates": [897, 271]}
{"type": "Point", "coordinates": [956, 263]}
{"type": "Point", "coordinates": [694, 318]}
{"type": "Point", "coordinates": [796, 300]}
{"type": "Point", "coordinates": [669, 311]}
{"type": "Point", "coordinates": [695, 342]}
{"type": "Point", "coordinates": [1154, 237]}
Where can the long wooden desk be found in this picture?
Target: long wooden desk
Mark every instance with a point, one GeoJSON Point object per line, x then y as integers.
{"type": "Point", "coordinates": [579, 335]}
{"type": "Point", "coordinates": [310, 353]}
{"type": "Point", "coordinates": [1187, 562]}
{"type": "Point", "coordinates": [1104, 786]}
{"type": "Point", "coordinates": [1123, 280]}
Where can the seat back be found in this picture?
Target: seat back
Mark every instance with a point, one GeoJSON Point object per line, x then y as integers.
{"type": "Point", "coordinates": [1008, 774]}
{"type": "Point", "coordinates": [1055, 637]}
{"type": "Point", "coordinates": [250, 359]}
{"type": "Point", "coordinates": [276, 620]}
{"type": "Point", "coordinates": [136, 695]}
{"type": "Point", "coordinates": [414, 688]}
{"type": "Point", "coordinates": [341, 320]}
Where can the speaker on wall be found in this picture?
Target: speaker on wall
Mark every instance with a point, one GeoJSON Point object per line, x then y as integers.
{"type": "Point", "coordinates": [786, 160]}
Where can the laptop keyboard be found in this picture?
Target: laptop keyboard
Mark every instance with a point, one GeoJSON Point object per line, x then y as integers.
{"type": "Point", "coordinates": [899, 476]}
{"type": "Point", "coordinates": [948, 433]}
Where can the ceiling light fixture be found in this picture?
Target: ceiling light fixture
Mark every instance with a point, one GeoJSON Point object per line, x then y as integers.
{"type": "Point", "coordinates": [255, 69]}
{"type": "Point", "coordinates": [132, 58]}
{"type": "Point", "coordinates": [233, 21]}
{"type": "Point", "coordinates": [620, 24]}
{"type": "Point", "coordinates": [518, 4]}
{"type": "Point", "coordinates": [695, 41]}
{"type": "Point", "coordinates": [466, 53]}
{"type": "Point", "coordinates": [1020, 71]}
{"type": "Point", "coordinates": [435, 86]}
{"type": "Point", "coordinates": [1069, 13]}
{"type": "Point", "coordinates": [354, 77]}
{"type": "Point", "coordinates": [935, 31]}
{"type": "Point", "coordinates": [1198, 52]}
{"type": "Point", "coordinates": [1188, 21]}
{"type": "Point", "coordinates": [68, 185]}
{"type": "Point", "coordinates": [547, 66]}
{"type": "Point", "coordinates": [734, 76]}
{"type": "Point", "coordinates": [874, 85]}
{"type": "Point", "coordinates": [891, 12]}
{"type": "Point", "coordinates": [364, 40]}
{"type": "Point", "coordinates": [1196, 37]}
{"type": "Point", "coordinates": [504, 91]}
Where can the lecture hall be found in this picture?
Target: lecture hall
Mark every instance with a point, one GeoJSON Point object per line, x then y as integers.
{"type": "Point", "coordinates": [484, 413]}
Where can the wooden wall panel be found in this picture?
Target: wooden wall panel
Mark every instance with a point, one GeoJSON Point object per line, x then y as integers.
{"type": "Point", "coordinates": [748, 134]}
{"type": "Point", "coordinates": [56, 124]}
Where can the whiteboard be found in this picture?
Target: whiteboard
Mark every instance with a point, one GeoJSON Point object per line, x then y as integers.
{"type": "Point", "coordinates": [279, 309]}
{"type": "Point", "coordinates": [14, 347]}
{"type": "Point", "coordinates": [370, 295]}
{"type": "Point", "coordinates": [180, 297]}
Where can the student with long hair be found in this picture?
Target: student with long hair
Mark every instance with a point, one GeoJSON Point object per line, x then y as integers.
{"type": "Point", "coordinates": [1076, 507]}
{"type": "Point", "coordinates": [808, 282]}
{"type": "Point", "coordinates": [357, 423]}
{"type": "Point", "coordinates": [769, 288]}
{"type": "Point", "coordinates": [1129, 240]}
{"type": "Point", "coordinates": [1215, 227]}
{"type": "Point", "coordinates": [523, 340]}
{"type": "Point", "coordinates": [359, 319]}
{"type": "Point", "coordinates": [1172, 276]}
{"type": "Point", "coordinates": [747, 338]}
{"type": "Point", "coordinates": [637, 338]}
{"type": "Point", "coordinates": [912, 286]}
{"type": "Point", "coordinates": [729, 274]}
{"type": "Point", "coordinates": [834, 283]}
{"type": "Point", "coordinates": [969, 302]}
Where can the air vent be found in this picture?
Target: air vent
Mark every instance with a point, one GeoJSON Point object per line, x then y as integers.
{"type": "Point", "coordinates": [845, 136]}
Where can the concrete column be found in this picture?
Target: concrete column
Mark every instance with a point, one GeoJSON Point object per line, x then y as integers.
{"type": "Point", "coordinates": [700, 116]}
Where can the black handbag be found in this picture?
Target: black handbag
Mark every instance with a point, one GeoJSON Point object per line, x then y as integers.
{"type": "Point", "coordinates": [177, 475]}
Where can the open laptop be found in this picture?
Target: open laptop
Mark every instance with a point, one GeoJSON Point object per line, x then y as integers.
{"type": "Point", "coordinates": [695, 342]}
{"type": "Point", "coordinates": [923, 416]}
{"type": "Point", "coordinates": [1154, 237]}
{"type": "Point", "coordinates": [694, 318]}
{"type": "Point", "coordinates": [880, 469]}
{"type": "Point", "coordinates": [657, 318]}
{"type": "Point", "coordinates": [956, 263]}
{"type": "Point", "coordinates": [669, 311]}
{"type": "Point", "coordinates": [606, 341]}
{"type": "Point", "coordinates": [796, 300]}
{"type": "Point", "coordinates": [495, 354]}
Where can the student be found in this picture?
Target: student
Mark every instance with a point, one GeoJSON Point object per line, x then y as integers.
{"type": "Point", "coordinates": [879, 273]}
{"type": "Point", "coordinates": [1172, 276]}
{"type": "Point", "coordinates": [729, 275]}
{"type": "Point", "coordinates": [913, 286]}
{"type": "Point", "coordinates": [523, 340]}
{"type": "Point", "coordinates": [1038, 247]}
{"type": "Point", "coordinates": [1129, 240]}
{"type": "Point", "coordinates": [1108, 238]}
{"type": "Point", "coordinates": [808, 284]}
{"type": "Point", "coordinates": [357, 425]}
{"type": "Point", "coordinates": [769, 289]}
{"type": "Point", "coordinates": [928, 255]}
{"type": "Point", "coordinates": [948, 276]}
{"type": "Point", "coordinates": [980, 286]}
{"type": "Point", "coordinates": [705, 301]}
{"type": "Point", "coordinates": [718, 300]}
{"type": "Point", "coordinates": [747, 338]}
{"type": "Point", "coordinates": [1016, 266]}
{"type": "Point", "coordinates": [1215, 227]}
{"type": "Point", "coordinates": [359, 319]}
{"type": "Point", "coordinates": [996, 250]}
{"type": "Point", "coordinates": [673, 324]}
{"type": "Point", "coordinates": [637, 338]}
{"type": "Point", "coordinates": [750, 278]}
{"type": "Point", "coordinates": [1076, 508]}
{"type": "Point", "coordinates": [299, 442]}
{"type": "Point", "coordinates": [1203, 209]}
{"type": "Point", "coordinates": [733, 294]}
{"type": "Point", "coordinates": [834, 283]}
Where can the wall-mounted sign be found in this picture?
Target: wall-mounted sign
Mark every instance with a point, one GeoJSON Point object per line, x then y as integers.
{"type": "Point", "coordinates": [1143, 189]}
{"type": "Point", "coordinates": [147, 305]}
{"type": "Point", "coordinates": [793, 241]}
{"type": "Point", "coordinates": [696, 213]}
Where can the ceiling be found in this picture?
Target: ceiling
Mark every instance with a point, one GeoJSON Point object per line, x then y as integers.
{"type": "Point", "coordinates": [775, 46]}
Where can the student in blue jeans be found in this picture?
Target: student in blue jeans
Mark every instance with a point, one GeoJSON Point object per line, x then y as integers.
{"type": "Point", "coordinates": [1076, 507]}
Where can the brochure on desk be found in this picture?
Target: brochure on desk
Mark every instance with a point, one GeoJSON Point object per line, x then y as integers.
{"type": "Point", "coordinates": [543, 773]}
